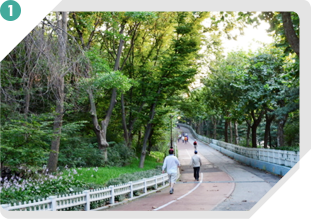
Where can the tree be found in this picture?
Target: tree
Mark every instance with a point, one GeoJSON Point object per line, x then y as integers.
{"type": "Point", "coordinates": [175, 70]}
{"type": "Point", "coordinates": [290, 31]}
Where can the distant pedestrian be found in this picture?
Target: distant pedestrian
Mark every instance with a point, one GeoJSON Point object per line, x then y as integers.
{"type": "Point", "coordinates": [186, 139]}
{"type": "Point", "coordinates": [196, 163]}
{"type": "Point", "coordinates": [195, 144]}
{"type": "Point", "coordinates": [179, 137]}
{"type": "Point", "coordinates": [183, 139]}
{"type": "Point", "coordinates": [171, 164]}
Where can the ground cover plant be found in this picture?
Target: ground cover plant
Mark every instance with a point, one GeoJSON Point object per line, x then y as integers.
{"type": "Point", "coordinates": [42, 185]}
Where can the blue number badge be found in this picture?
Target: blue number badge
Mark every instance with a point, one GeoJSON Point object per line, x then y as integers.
{"type": "Point", "coordinates": [10, 10]}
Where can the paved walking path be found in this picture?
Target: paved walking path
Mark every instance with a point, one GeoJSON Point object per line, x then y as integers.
{"type": "Point", "coordinates": [224, 185]}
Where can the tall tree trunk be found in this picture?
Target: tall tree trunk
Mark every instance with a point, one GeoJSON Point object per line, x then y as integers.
{"type": "Point", "coordinates": [226, 131]}
{"type": "Point", "coordinates": [125, 130]}
{"type": "Point", "coordinates": [236, 132]}
{"type": "Point", "coordinates": [248, 133]}
{"type": "Point", "coordinates": [101, 131]}
{"type": "Point", "coordinates": [58, 85]}
{"type": "Point", "coordinates": [57, 128]}
{"type": "Point", "coordinates": [104, 124]}
{"type": "Point", "coordinates": [267, 129]}
{"type": "Point", "coordinates": [139, 137]}
{"type": "Point", "coordinates": [147, 132]}
{"type": "Point", "coordinates": [150, 140]}
{"type": "Point", "coordinates": [256, 122]}
{"type": "Point", "coordinates": [254, 135]}
{"type": "Point", "coordinates": [231, 133]}
{"type": "Point", "coordinates": [290, 33]}
{"type": "Point", "coordinates": [28, 75]}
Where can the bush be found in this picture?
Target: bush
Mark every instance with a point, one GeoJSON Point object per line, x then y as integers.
{"type": "Point", "coordinates": [77, 152]}
{"type": "Point", "coordinates": [25, 142]}
{"type": "Point", "coordinates": [119, 155]}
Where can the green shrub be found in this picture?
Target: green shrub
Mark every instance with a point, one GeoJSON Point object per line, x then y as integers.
{"type": "Point", "coordinates": [77, 153]}
{"type": "Point", "coordinates": [119, 155]}
{"type": "Point", "coordinates": [25, 142]}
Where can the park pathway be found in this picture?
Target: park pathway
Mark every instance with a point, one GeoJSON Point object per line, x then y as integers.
{"type": "Point", "coordinates": [225, 185]}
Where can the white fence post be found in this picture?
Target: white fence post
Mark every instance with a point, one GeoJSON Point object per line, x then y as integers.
{"type": "Point", "coordinates": [87, 199]}
{"type": "Point", "coordinates": [53, 202]}
{"type": "Point", "coordinates": [156, 183]}
{"type": "Point", "coordinates": [131, 187]}
{"type": "Point", "coordinates": [145, 185]}
{"type": "Point", "coordinates": [112, 194]}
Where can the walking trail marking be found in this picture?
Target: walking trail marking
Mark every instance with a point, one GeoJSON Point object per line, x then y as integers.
{"type": "Point", "coordinates": [181, 196]}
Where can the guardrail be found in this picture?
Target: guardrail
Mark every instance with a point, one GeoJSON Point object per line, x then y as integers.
{"type": "Point", "coordinates": [85, 198]}
{"type": "Point", "coordinates": [280, 157]}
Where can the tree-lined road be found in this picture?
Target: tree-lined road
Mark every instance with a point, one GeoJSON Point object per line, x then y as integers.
{"type": "Point", "coordinates": [225, 185]}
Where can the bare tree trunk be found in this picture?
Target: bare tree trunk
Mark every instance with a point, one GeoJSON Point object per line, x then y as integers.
{"type": "Point", "coordinates": [57, 128]}
{"type": "Point", "coordinates": [59, 85]}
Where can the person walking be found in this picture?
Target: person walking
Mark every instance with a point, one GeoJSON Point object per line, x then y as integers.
{"type": "Point", "coordinates": [195, 144]}
{"type": "Point", "coordinates": [183, 139]}
{"type": "Point", "coordinates": [171, 164]}
{"type": "Point", "coordinates": [196, 163]}
{"type": "Point", "coordinates": [186, 139]}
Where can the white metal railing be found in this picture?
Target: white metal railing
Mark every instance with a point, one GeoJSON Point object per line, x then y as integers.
{"type": "Point", "coordinates": [281, 157]}
{"type": "Point", "coordinates": [85, 198]}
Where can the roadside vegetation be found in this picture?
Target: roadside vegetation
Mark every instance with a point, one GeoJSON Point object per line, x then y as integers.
{"type": "Point", "coordinates": [40, 184]}
{"type": "Point", "coordinates": [90, 99]}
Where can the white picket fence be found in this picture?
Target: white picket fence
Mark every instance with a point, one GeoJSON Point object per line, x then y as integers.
{"type": "Point", "coordinates": [280, 157]}
{"type": "Point", "coordinates": [85, 198]}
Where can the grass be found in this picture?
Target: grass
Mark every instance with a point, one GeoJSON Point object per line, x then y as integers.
{"type": "Point", "coordinates": [101, 175]}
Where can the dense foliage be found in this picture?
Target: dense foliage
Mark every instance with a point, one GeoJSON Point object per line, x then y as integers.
{"type": "Point", "coordinates": [105, 89]}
